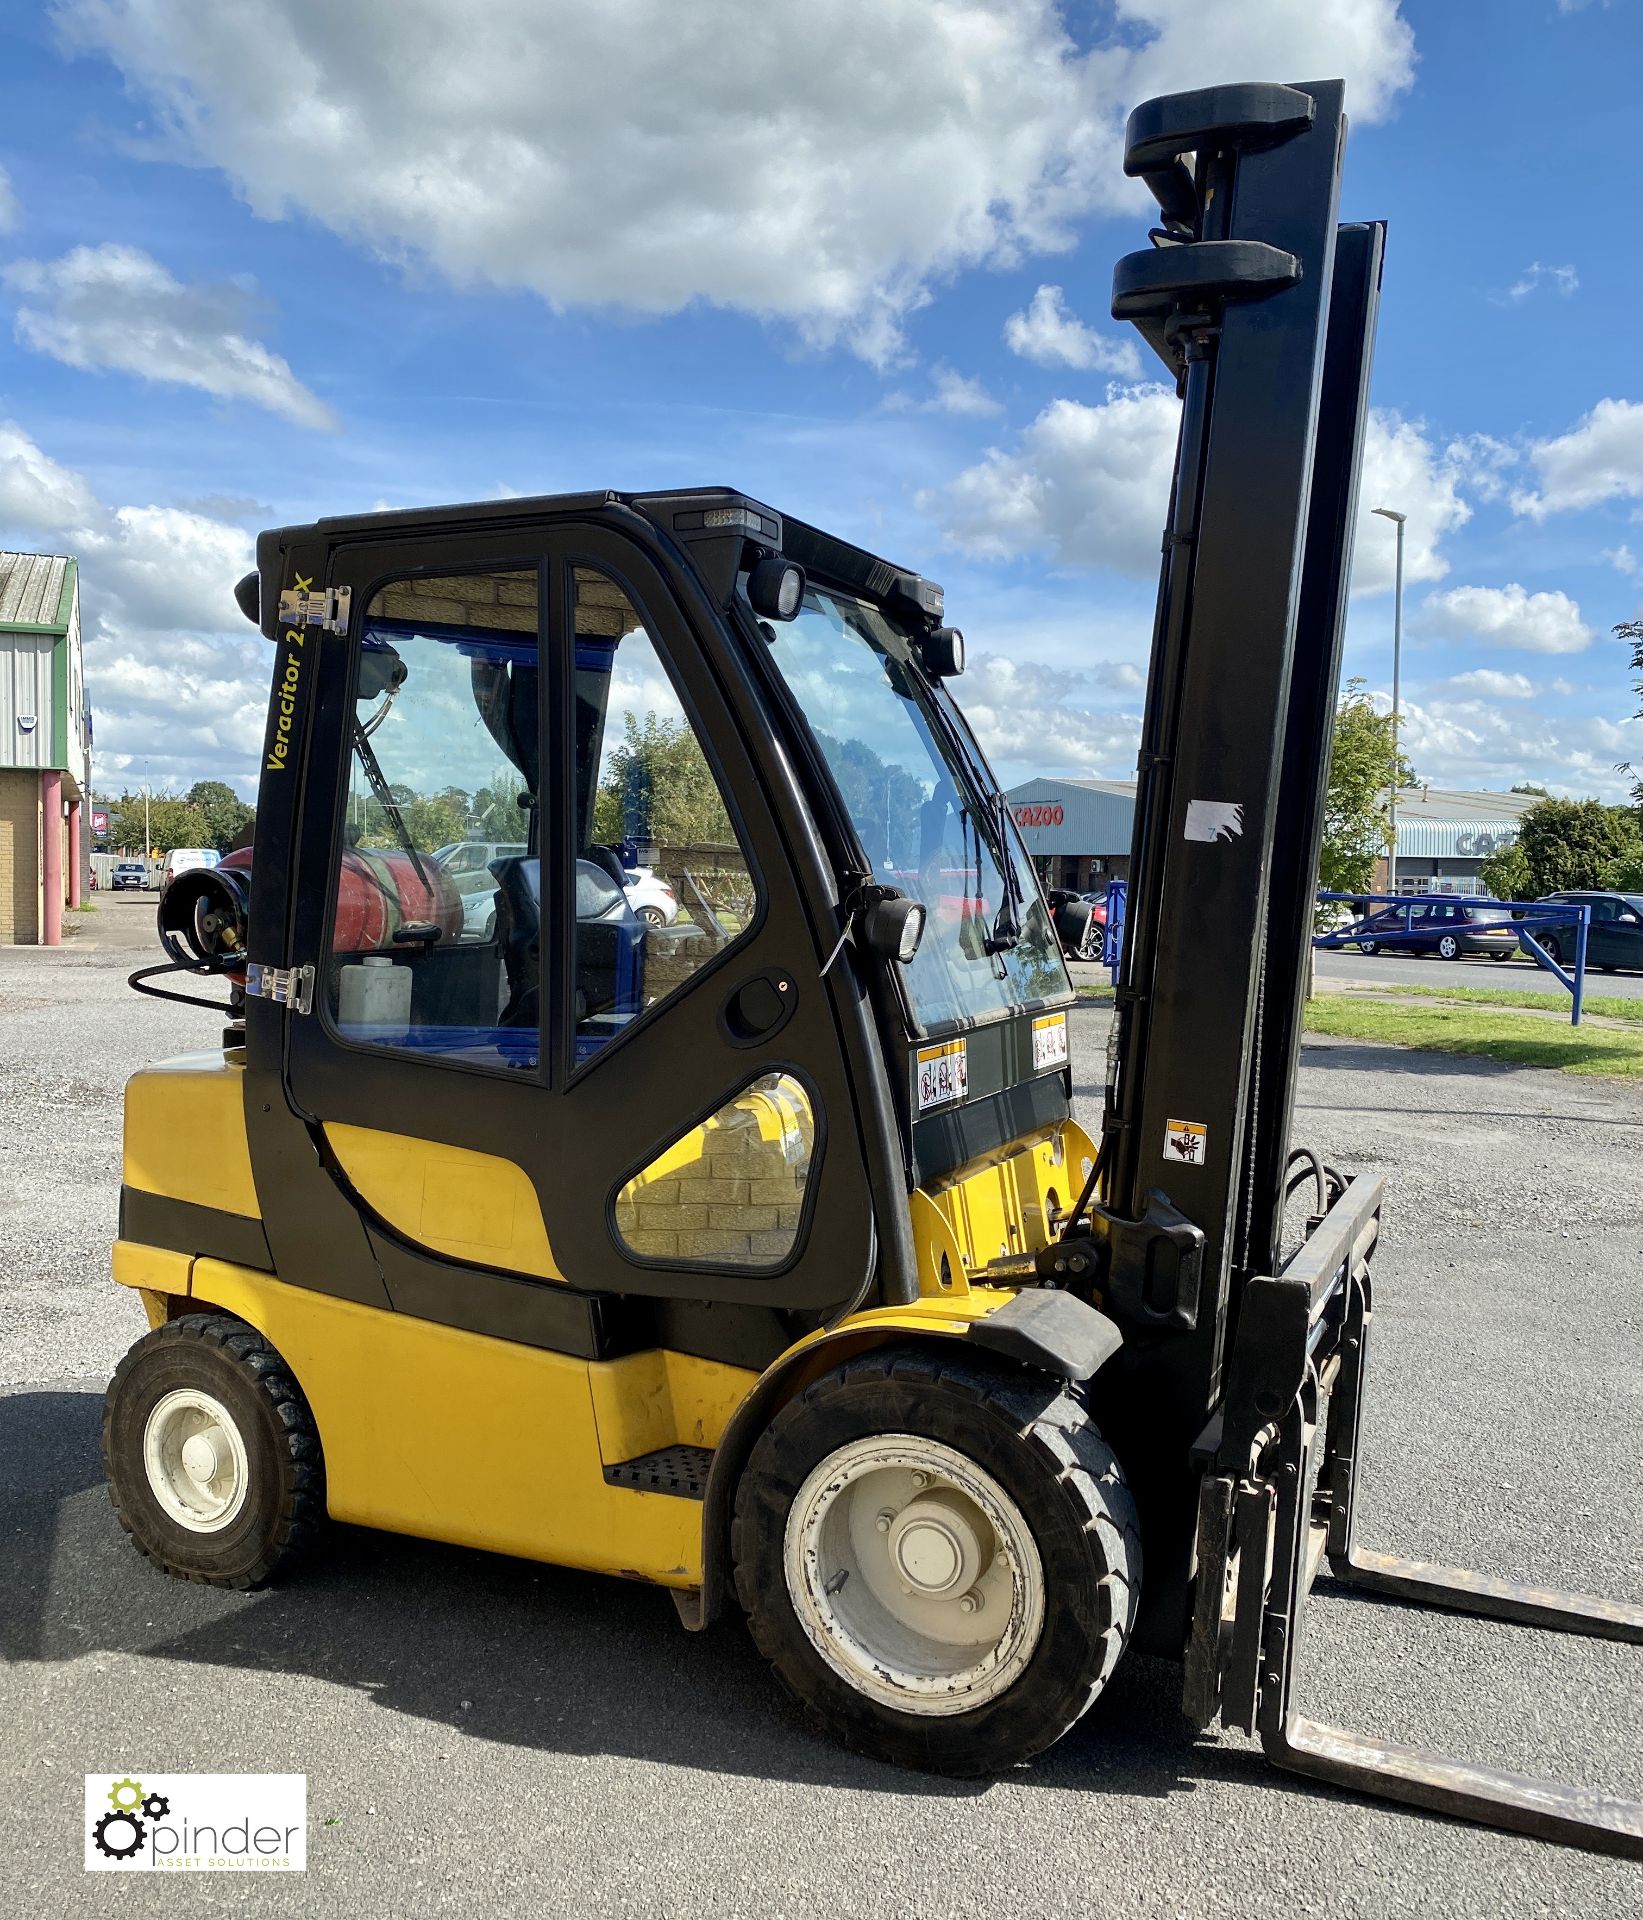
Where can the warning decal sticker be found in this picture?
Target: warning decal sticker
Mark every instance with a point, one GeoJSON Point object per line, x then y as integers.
{"type": "Point", "coordinates": [1049, 1041]}
{"type": "Point", "coordinates": [943, 1074]}
{"type": "Point", "coordinates": [1185, 1140]}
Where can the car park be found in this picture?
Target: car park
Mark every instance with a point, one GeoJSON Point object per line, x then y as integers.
{"type": "Point", "coordinates": [1614, 936]}
{"type": "Point", "coordinates": [1452, 929]}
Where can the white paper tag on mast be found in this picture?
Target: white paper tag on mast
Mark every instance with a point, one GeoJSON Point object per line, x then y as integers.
{"type": "Point", "coordinates": [1212, 820]}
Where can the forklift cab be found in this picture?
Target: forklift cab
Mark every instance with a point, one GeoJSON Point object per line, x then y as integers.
{"type": "Point", "coordinates": [585, 677]}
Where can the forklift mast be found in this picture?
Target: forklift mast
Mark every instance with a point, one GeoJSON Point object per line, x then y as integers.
{"type": "Point", "coordinates": [1241, 1386]}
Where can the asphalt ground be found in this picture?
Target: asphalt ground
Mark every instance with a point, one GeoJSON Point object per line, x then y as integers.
{"type": "Point", "coordinates": [488, 1736]}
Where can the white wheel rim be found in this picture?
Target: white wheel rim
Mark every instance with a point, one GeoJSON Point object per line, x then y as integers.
{"type": "Point", "coordinates": [194, 1457]}
{"type": "Point", "coordinates": [914, 1574]}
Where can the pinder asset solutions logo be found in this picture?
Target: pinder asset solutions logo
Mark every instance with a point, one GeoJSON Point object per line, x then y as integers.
{"type": "Point", "coordinates": [196, 1822]}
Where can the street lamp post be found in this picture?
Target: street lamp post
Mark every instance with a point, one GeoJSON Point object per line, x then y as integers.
{"type": "Point", "coordinates": [1398, 519]}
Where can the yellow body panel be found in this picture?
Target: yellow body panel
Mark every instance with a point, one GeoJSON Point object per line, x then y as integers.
{"type": "Point", "coordinates": [472, 1206]}
{"type": "Point", "coordinates": [151, 1269]}
{"type": "Point", "coordinates": [1004, 1210]}
{"type": "Point", "coordinates": [660, 1398]}
{"type": "Point", "coordinates": [185, 1132]}
{"type": "Point", "coordinates": [455, 1436]}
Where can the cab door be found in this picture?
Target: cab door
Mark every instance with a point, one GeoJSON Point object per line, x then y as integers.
{"type": "Point", "coordinates": [531, 1077]}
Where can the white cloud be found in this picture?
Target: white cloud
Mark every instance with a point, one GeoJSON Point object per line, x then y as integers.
{"type": "Point", "coordinates": [8, 203]}
{"type": "Point", "coordinates": [1600, 458]}
{"type": "Point", "coordinates": [117, 307]}
{"type": "Point", "coordinates": [37, 496]}
{"type": "Point", "coordinates": [177, 681]}
{"type": "Point", "coordinates": [1496, 685]}
{"type": "Point", "coordinates": [1048, 333]}
{"type": "Point", "coordinates": [1563, 280]}
{"type": "Point", "coordinates": [1509, 616]}
{"type": "Point", "coordinates": [955, 394]}
{"type": "Point", "coordinates": [1028, 721]}
{"type": "Point", "coordinates": [1481, 462]}
{"type": "Point", "coordinates": [823, 165]}
{"type": "Point", "coordinates": [1402, 469]}
{"type": "Point", "coordinates": [1621, 558]}
{"type": "Point", "coordinates": [1470, 743]}
{"type": "Point", "coordinates": [1088, 485]}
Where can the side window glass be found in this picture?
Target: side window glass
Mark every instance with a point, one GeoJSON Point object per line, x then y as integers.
{"type": "Point", "coordinates": [435, 941]}
{"type": "Point", "coordinates": [731, 1191]}
{"type": "Point", "coordinates": [662, 882]}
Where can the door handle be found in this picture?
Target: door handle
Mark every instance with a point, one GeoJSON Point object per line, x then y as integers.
{"type": "Point", "coordinates": [758, 1008]}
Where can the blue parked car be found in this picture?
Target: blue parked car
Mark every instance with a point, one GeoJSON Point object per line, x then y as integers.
{"type": "Point", "coordinates": [1448, 928]}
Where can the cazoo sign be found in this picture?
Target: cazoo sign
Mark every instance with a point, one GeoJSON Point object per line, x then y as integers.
{"type": "Point", "coordinates": [1479, 846]}
{"type": "Point", "coordinates": [1040, 813]}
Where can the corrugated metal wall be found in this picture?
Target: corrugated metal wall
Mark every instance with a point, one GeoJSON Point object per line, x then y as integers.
{"type": "Point", "coordinates": [26, 696]}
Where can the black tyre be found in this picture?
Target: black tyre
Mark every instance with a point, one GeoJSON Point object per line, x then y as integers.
{"type": "Point", "coordinates": [1554, 948]}
{"type": "Point", "coordinates": [213, 1460]}
{"type": "Point", "coordinates": [1370, 947]}
{"type": "Point", "coordinates": [653, 916]}
{"type": "Point", "coordinates": [959, 1623]}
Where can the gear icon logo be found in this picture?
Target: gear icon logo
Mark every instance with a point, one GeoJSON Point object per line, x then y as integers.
{"type": "Point", "coordinates": [125, 1795]}
{"type": "Point", "coordinates": [156, 1806]}
{"type": "Point", "coordinates": [119, 1834]}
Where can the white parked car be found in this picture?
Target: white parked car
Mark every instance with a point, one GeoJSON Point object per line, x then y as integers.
{"type": "Point", "coordinates": [650, 896]}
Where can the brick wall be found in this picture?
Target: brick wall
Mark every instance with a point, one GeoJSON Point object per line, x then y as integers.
{"type": "Point", "coordinates": [19, 857]}
{"type": "Point", "coordinates": [734, 1197]}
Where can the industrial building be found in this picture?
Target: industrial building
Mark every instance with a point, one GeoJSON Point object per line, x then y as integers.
{"type": "Point", "coordinates": [45, 747]}
{"type": "Point", "coordinates": [1079, 833]}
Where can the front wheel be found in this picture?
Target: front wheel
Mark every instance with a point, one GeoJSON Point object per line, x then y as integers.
{"type": "Point", "coordinates": [1448, 948]}
{"type": "Point", "coordinates": [1554, 949]}
{"type": "Point", "coordinates": [1370, 947]}
{"type": "Point", "coordinates": [212, 1456]}
{"type": "Point", "coordinates": [941, 1560]}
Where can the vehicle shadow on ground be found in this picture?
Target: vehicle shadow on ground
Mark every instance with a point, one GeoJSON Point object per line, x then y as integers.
{"type": "Point", "coordinates": [499, 1649]}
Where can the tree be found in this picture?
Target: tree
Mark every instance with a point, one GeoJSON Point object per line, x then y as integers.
{"type": "Point", "coordinates": [1363, 764]}
{"type": "Point", "coordinates": [1506, 873]}
{"type": "Point", "coordinates": [1576, 843]}
{"type": "Point", "coordinates": [1631, 631]}
{"type": "Point", "coordinates": [170, 823]}
{"type": "Point", "coordinates": [225, 812]}
{"type": "Point", "coordinates": [1528, 786]}
{"type": "Point", "coordinates": [657, 786]}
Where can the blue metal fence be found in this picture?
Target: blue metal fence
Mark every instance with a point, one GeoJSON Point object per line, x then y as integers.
{"type": "Point", "coordinates": [1526, 915]}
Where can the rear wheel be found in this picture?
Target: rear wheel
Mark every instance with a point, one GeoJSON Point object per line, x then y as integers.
{"type": "Point", "coordinates": [213, 1460]}
{"type": "Point", "coordinates": [940, 1560]}
{"type": "Point", "coordinates": [653, 916]}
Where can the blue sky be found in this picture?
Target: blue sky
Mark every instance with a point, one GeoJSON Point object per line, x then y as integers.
{"type": "Point", "coordinates": [264, 261]}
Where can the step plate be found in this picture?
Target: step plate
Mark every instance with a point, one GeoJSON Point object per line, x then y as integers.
{"type": "Point", "coordinates": [680, 1471]}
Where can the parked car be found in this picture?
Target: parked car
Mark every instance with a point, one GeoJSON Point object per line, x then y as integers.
{"type": "Point", "coordinates": [1099, 902]}
{"type": "Point", "coordinates": [184, 860]}
{"type": "Point", "coordinates": [468, 862]}
{"type": "Point", "coordinates": [1448, 928]}
{"type": "Point", "coordinates": [1615, 937]}
{"type": "Point", "coordinates": [650, 896]}
{"type": "Point", "coordinates": [128, 874]}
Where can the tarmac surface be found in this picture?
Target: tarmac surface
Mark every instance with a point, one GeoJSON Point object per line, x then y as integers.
{"type": "Point", "coordinates": [482, 1735]}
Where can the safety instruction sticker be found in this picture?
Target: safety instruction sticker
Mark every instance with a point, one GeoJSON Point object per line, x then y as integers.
{"type": "Point", "coordinates": [1185, 1140]}
{"type": "Point", "coordinates": [943, 1074]}
{"type": "Point", "coordinates": [1049, 1041]}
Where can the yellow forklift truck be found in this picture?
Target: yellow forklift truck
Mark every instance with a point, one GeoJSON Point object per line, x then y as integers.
{"type": "Point", "coordinates": [643, 1139]}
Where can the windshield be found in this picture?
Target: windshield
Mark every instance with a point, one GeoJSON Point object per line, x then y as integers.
{"type": "Point", "coordinates": [903, 768]}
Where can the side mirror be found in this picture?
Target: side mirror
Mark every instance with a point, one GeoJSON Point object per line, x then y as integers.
{"type": "Point", "coordinates": [893, 927]}
{"type": "Point", "coordinates": [1073, 921]}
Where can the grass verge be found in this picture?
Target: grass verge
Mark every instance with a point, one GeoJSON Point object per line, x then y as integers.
{"type": "Point", "coordinates": [1555, 1001]}
{"type": "Point", "coordinates": [1496, 1035]}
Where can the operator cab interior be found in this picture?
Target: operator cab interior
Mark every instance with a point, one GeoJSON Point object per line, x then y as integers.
{"type": "Point", "coordinates": [452, 817]}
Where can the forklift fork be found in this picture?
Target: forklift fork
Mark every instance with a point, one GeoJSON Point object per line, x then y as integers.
{"type": "Point", "coordinates": [1280, 1504]}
